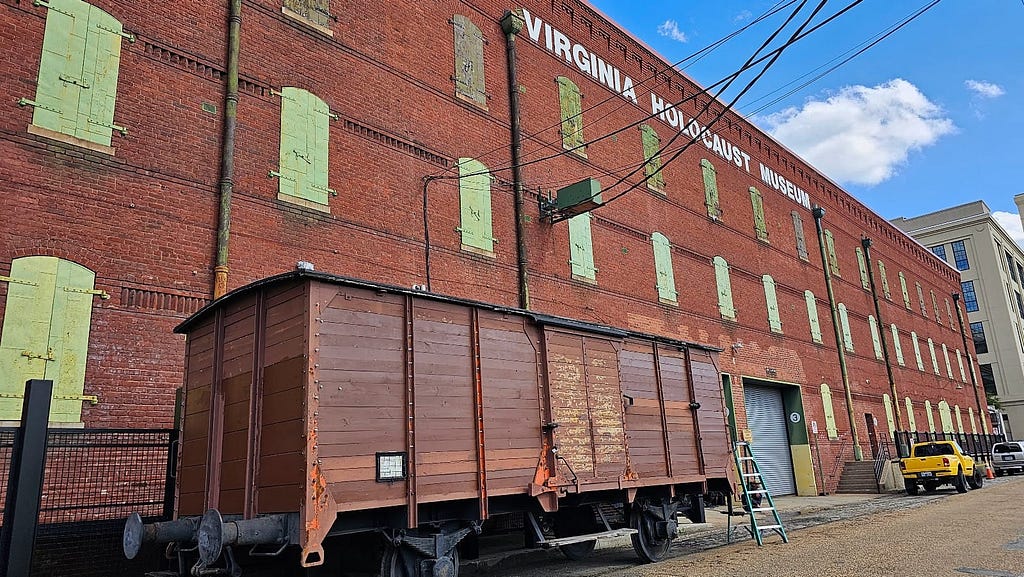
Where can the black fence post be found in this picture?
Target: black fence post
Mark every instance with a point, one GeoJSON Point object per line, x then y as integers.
{"type": "Point", "coordinates": [25, 484]}
{"type": "Point", "coordinates": [171, 474]}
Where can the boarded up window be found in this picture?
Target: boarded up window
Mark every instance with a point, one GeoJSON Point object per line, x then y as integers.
{"type": "Point", "coordinates": [931, 416]}
{"type": "Point", "coordinates": [885, 280]}
{"type": "Point", "coordinates": [876, 342]}
{"type": "Point", "coordinates": [771, 301]}
{"type": "Point", "coordinates": [862, 266]}
{"type": "Point", "coordinates": [46, 334]}
{"type": "Point", "coordinates": [798, 232]}
{"type": "Point", "coordinates": [830, 415]}
{"type": "Point", "coordinates": [906, 294]}
{"type": "Point", "coordinates": [581, 248]}
{"type": "Point", "coordinates": [724, 285]}
{"type": "Point", "coordinates": [974, 424]}
{"type": "Point", "coordinates": [652, 158]}
{"type": "Point", "coordinates": [316, 11]}
{"type": "Point", "coordinates": [949, 313]}
{"type": "Point", "coordinates": [960, 363]}
{"type": "Point", "coordinates": [844, 322]}
{"type": "Point", "coordinates": [757, 204]}
{"type": "Point", "coordinates": [945, 417]}
{"type": "Point", "coordinates": [830, 249]}
{"type": "Point", "coordinates": [911, 418]}
{"type": "Point", "coordinates": [897, 346]}
{"type": "Point", "coordinates": [917, 351]}
{"type": "Point", "coordinates": [935, 307]}
{"type": "Point", "coordinates": [305, 124]}
{"type": "Point", "coordinates": [710, 189]}
{"type": "Point", "coordinates": [945, 356]}
{"type": "Point", "coordinates": [571, 104]}
{"type": "Point", "coordinates": [475, 204]}
{"type": "Point", "coordinates": [920, 297]}
{"type": "Point", "coordinates": [78, 69]}
{"type": "Point", "coordinates": [469, 61]}
{"type": "Point", "coordinates": [935, 359]}
{"type": "Point", "coordinates": [663, 267]}
{"type": "Point", "coordinates": [959, 419]}
{"type": "Point", "coordinates": [812, 316]}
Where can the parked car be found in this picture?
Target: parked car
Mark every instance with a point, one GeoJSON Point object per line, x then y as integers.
{"type": "Point", "coordinates": [1008, 458]}
{"type": "Point", "coordinates": [937, 463]}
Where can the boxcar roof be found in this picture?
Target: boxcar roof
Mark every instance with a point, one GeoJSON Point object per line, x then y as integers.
{"type": "Point", "coordinates": [540, 318]}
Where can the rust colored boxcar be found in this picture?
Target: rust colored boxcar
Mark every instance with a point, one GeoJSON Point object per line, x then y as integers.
{"type": "Point", "coordinates": [318, 406]}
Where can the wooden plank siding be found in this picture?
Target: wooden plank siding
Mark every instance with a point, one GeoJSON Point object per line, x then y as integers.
{"type": "Point", "coordinates": [195, 426]}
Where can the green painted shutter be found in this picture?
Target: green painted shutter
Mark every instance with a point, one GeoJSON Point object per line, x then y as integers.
{"type": "Point", "coordinates": [60, 66]}
{"type": "Point", "coordinates": [101, 64]}
{"type": "Point", "coordinates": [897, 346]}
{"type": "Point", "coordinates": [830, 415]}
{"type": "Point", "coordinates": [949, 312]}
{"type": "Point", "coordinates": [663, 267]}
{"type": "Point", "coordinates": [772, 303]}
{"type": "Point", "coordinates": [920, 297]}
{"type": "Point", "coordinates": [475, 204]}
{"type": "Point", "coordinates": [974, 424]}
{"type": "Point", "coordinates": [652, 158]}
{"type": "Point", "coordinates": [318, 138]}
{"type": "Point", "coordinates": [844, 322]}
{"type": "Point", "coordinates": [830, 247]}
{"type": "Point", "coordinates": [906, 294]}
{"type": "Point", "coordinates": [931, 416]}
{"type": "Point", "coordinates": [945, 356]}
{"type": "Point", "coordinates": [812, 316]}
{"type": "Point", "coordinates": [710, 189]}
{"type": "Point", "coordinates": [945, 418]}
{"type": "Point", "coordinates": [725, 306]}
{"type": "Point", "coordinates": [798, 232]}
{"type": "Point", "coordinates": [959, 419]}
{"type": "Point", "coordinates": [935, 359]}
{"type": "Point", "coordinates": [316, 11]}
{"type": "Point", "coordinates": [889, 420]}
{"type": "Point", "coordinates": [581, 248]}
{"type": "Point", "coordinates": [917, 351]}
{"type": "Point", "coordinates": [911, 419]}
{"type": "Point", "coordinates": [862, 265]}
{"type": "Point", "coordinates": [935, 307]}
{"type": "Point", "coordinates": [757, 203]}
{"type": "Point", "coordinates": [876, 342]}
{"type": "Point", "coordinates": [885, 280]}
{"type": "Point", "coordinates": [570, 102]}
{"type": "Point", "coordinates": [305, 144]}
{"type": "Point", "coordinates": [46, 333]}
{"type": "Point", "coordinates": [960, 363]}
{"type": "Point", "coordinates": [469, 61]}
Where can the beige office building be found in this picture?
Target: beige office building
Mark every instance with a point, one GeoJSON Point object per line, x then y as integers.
{"type": "Point", "coordinates": [991, 267]}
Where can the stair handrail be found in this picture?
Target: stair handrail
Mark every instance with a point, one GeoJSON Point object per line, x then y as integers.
{"type": "Point", "coordinates": [881, 458]}
{"type": "Point", "coordinates": [845, 441]}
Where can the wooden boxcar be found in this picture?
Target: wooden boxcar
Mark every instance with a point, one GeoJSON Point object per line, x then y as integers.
{"type": "Point", "coordinates": [318, 406]}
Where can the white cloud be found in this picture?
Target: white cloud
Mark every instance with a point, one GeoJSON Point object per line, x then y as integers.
{"type": "Point", "coordinates": [1010, 221]}
{"type": "Point", "coordinates": [671, 29]}
{"type": "Point", "coordinates": [984, 89]}
{"type": "Point", "coordinates": [861, 134]}
{"type": "Point", "coordinates": [743, 16]}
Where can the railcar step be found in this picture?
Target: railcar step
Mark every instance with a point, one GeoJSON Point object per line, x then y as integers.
{"type": "Point", "coordinates": [589, 537]}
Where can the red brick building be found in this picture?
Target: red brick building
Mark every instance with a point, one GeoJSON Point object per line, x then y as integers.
{"type": "Point", "coordinates": [355, 121]}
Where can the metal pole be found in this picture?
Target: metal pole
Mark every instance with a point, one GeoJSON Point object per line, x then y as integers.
{"type": "Point", "coordinates": [970, 361]}
{"type": "Point", "coordinates": [512, 23]}
{"type": "Point", "coordinates": [25, 484]}
{"type": "Point", "coordinates": [817, 212]}
{"type": "Point", "coordinates": [227, 152]}
{"type": "Point", "coordinates": [866, 243]}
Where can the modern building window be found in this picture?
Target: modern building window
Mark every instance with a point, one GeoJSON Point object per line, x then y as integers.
{"type": "Point", "coordinates": [663, 267]}
{"type": "Point", "coordinates": [960, 255]}
{"type": "Point", "coordinates": [725, 306]}
{"type": "Point", "coordinates": [475, 206]}
{"type": "Point", "coordinates": [812, 316]}
{"type": "Point", "coordinates": [1020, 273]}
{"type": "Point", "coordinates": [862, 266]}
{"type": "Point", "coordinates": [757, 204]}
{"type": "Point", "coordinates": [469, 60]}
{"type": "Point", "coordinates": [571, 106]}
{"type": "Point", "coordinates": [885, 281]}
{"type": "Point", "coordinates": [906, 294]}
{"type": "Point", "coordinates": [970, 298]}
{"type": "Point", "coordinates": [978, 334]}
{"type": "Point", "coordinates": [876, 341]}
{"type": "Point", "coordinates": [896, 345]}
{"type": "Point", "coordinates": [830, 248]}
{"type": "Point", "coordinates": [303, 171]}
{"type": "Point", "coordinates": [652, 158]}
{"type": "Point", "coordinates": [1020, 303]}
{"type": "Point", "coordinates": [940, 251]}
{"type": "Point", "coordinates": [1009, 265]}
{"type": "Point", "coordinates": [581, 248]}
{"type": "Point", "coordinates": [78, 69]}
{"type": "Point", "coordinates": [988, 379]}
{"type": "Point", "coordinates": [772, 303]}
{"type": "Point", "coordinates": [844, 322]}
{"type": "Point", "coordinates": [710, 189]}
{"type": "Point", "coordinates": [798, 232]}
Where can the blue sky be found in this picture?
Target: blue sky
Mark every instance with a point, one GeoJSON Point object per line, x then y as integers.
{"type": "Point", "coordinates": [931, 117]}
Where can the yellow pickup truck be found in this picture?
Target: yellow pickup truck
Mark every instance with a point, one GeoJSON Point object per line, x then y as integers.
{"type": "Point", "coordinates": [937, 463]}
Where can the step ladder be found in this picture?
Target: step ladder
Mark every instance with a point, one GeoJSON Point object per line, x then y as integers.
{"type": "Point", "coordinates": [757, 500]}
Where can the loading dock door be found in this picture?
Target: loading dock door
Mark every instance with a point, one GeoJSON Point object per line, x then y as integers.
{"type": "Point", "coordinates": [766, 418]}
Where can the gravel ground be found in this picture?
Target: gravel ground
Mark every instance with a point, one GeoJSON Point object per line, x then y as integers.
{"type": "Point", "coordinates": [979, 533]}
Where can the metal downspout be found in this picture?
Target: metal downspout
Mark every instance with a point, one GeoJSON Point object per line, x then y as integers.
{"type": "Point", "coordinates": [817, 212]}
{"type": "Point", "coordinates": [970, 362]}
{"type": "Point", "coordinates": [512, 23]}
{"type": "Point", "coordinates": [227, 153]}
{"type": "Point", "coordinates": [866, 243]}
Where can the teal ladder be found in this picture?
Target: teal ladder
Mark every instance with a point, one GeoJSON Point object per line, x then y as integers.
{"type": "Point", "coordinates": [753, 484]}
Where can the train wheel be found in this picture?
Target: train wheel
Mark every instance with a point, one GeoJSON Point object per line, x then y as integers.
{"type": "Point", "coordinates": [398, 562]}
{"type": "Point", "coordinates": [654, 532]}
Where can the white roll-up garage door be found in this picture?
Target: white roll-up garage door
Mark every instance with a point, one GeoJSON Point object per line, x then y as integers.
{"type": "Point", "coordinates": [766, 418]}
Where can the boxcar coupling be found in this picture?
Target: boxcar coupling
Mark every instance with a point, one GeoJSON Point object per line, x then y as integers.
{"type": "Point", "coordinates": [320, 410]}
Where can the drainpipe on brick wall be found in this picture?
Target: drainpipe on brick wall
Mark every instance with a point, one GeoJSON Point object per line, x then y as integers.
{"type": "Point", "coordinates": [970, 362]}
{"type": "Point", "coordinates": [512, 24]}
{"type": "Point", "coordinates": [227, 151]}
{"type": "Point", "coordinates": [817, 212]}
{"type": "Point", "coordinates": [866, 243]}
